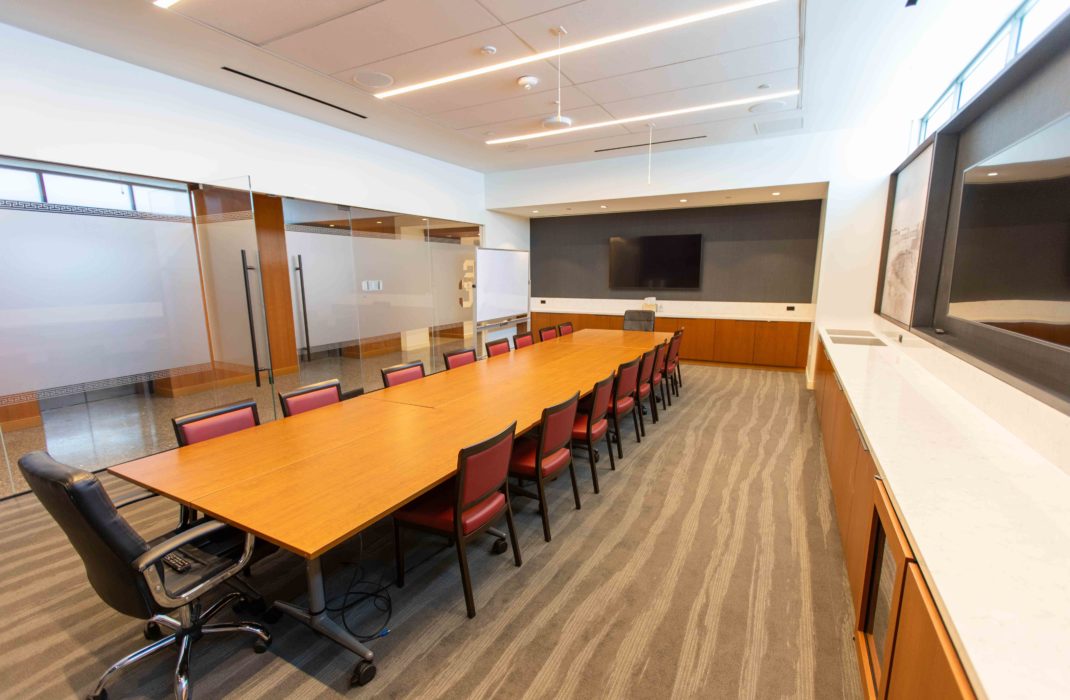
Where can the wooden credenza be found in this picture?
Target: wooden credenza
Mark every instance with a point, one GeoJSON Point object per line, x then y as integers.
{"type": "Point", "coordinates": [904, 649]}
{"type": "Point", "coordinates": [761, 343]}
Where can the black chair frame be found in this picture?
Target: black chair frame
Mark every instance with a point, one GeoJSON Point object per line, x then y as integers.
{"type": "Point", "coordinates": [307, 390]}
{"type": "Point", "coordinates": [387, 371]}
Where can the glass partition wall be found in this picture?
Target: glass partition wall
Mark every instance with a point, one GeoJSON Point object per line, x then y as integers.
{"type": "Point", "coordinates": [127, 301]}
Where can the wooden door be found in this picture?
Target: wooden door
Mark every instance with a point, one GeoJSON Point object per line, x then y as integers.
{"type": "Point", "coordinates": [776, 343]}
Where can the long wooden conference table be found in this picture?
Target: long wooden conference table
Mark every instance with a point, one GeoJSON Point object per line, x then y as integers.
{"type": "Point", "coordinates": [312, 481]}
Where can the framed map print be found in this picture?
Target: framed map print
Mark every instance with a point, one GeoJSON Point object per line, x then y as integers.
{"type": "Point", "coordinates": [903, 255]}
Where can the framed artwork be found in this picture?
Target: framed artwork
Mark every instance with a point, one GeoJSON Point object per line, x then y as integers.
{"type": "Point", "coordinates": [909, 203]}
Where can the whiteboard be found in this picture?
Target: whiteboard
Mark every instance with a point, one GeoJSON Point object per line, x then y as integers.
{"type": "Point", "coordinates": [501, 283]}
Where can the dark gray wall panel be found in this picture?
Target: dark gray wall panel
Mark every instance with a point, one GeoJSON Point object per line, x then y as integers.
{"type": "Point", "coordinates": [756, 253]}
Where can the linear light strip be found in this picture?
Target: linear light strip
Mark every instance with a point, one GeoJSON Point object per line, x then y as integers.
{"type": "Point", "coordinates": [583, 45]}
{"type": "Point", "coordinates": [644, 117]}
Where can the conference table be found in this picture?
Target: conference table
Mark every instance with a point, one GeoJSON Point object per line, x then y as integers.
{"type": "Point", "coordinates": [309, 482]}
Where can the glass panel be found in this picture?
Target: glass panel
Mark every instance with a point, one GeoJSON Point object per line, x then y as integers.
{"type": "Point", "coordinates": [988, 65]}
{"type": "Point", "coordinates": [452, 247]}
{"type": "Point", "coordinates": [880, 596]}
{"type": "Point", "coordinates": [943, 111]}
{"type": "Point", "coordinates": [86, 192]}
{"type": "Point", "coordinates": [1040, 17]}
{"type": "Point", "coordinates": [1010, 269]}
{"type": "Point", "coordinates": [393, 267]}
{"type": "Point", "coordinates": [160, 201]}
{"type": "Point", "coordinates": [20, 185]}
{"type": "Point", "coordinates": [323, 284]}
{"type": "Point", "coordinates": [97, 314]}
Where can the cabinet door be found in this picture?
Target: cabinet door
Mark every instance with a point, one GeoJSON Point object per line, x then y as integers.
{"type": "Point", "coordinates": [842, 462]}
{"type": "Point", "coordinates": [822, 369]}
{"type": "Point", "coordinates": [858, 543]}
{"type": "Point", "coordinates": [733, 341]}
{"type": "Point", "coordinates": [776, 343]}
{"type": "Point", "coordinates": [924, 663]}
{"type": "Point", "coordinates": [698, 337]}
{"type": "Point", "coordinates": [802, 348]}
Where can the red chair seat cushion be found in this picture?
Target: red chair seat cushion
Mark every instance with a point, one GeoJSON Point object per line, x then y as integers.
{"type": "Point", "coordinates": [523, 461]}
{"type": "Point", "coordinates": [644, 390]}
{"type": "Point", "coordinates": [656, 379]}
{"type": "Point", "coordinates": [434, 510]}
{"type": "Point", "coordinates": [579, 428]}
{"type": "Point", "coordinates": [625, 404]}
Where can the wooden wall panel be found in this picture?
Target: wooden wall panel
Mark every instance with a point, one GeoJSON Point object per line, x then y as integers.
{"type": "Point", "coordinates": [859, 540]}
{"type": "Point", "coordinates": [275, 276]}
{"type": "Point", "coordinates": [17, 416]}
{"type": "Point", "coordinates": [733, 341]}
{"type": "Point", "coordinates": [776, 343]}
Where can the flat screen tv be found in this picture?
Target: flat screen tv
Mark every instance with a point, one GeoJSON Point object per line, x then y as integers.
{"type": "Point", "coordinates": [656, 262]}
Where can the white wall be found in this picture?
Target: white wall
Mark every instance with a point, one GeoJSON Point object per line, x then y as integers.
{"type": "Point", "coordinates": [506, 231]}
{"type": "Point", "coordinates": [68, 105]}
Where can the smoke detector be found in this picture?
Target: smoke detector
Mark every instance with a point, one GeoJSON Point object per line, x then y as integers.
{"type": "Point", "coordinates": [373, 79]}
{"type": "Point", "coordinates": [557, 121]}
{"type": "Point", "coordinates": [488, 50]}
{"type": "Point", "coordinates": [527, 81]}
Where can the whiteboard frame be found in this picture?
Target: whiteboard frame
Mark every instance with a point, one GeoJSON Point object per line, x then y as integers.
{"type": "Point", "coordinates": [503, 321]}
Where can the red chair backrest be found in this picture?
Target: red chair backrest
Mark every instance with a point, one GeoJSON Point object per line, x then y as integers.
{"type": "Point", "coordinates": [601, 397]}
{"type": "Point", "coordinates": [522, 340]}
{"type": "Point", "coordinates": [309, 397]}
{"type": "Point", "coordinates": [497, 347]}
{"type": "Point", "coordinates": [222, 420]}
{"type": "Point", "coordinates": [565, 328]}
{"type": "Point", "coordinates": [674, 350]}
{"type": "Point", "coordinates": [659, 358]}
{"type": "Point", "coordinates": [482, 469]}
{"type": "Point", "coordinates": [548, 333]}
{"type": "Point", "coordinates": [459, 358]}
{"type": "Point", "coordinates": [646, 367]}
{"type": "Point", "coordinates": [399, 374]}
{"type": "Point", "coordinates": [555, 430]}
{"type": "Point", "coordinates": [627, 379]}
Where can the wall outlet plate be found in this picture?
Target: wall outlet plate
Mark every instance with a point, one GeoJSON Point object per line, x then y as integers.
{"type": "Point", "coordinates": [791, 308]}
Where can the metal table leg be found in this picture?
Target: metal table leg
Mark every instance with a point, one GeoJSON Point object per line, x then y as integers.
{"type": "Point", "coordinates": [316, 617]}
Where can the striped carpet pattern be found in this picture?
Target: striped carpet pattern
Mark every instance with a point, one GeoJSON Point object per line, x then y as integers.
{"type": "Point", "coordinates": [708, 567]}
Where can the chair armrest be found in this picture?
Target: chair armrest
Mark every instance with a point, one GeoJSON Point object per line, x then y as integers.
{"type": "Point", "coordinates": [135, 499]}
{"type": "Point", "coordinates": [148, 565]}
{"type": "Point", "coordinates": [185, 537]}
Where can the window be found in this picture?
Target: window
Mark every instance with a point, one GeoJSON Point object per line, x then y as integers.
{"type": "Point", "coordinates": [86, 192]}
{"type": "Point", "coordinates": [160, 201]}
{"type": "Point", "coordinates": [1023, 27]}
{"type": "Point", "coordinates": [20, 185]}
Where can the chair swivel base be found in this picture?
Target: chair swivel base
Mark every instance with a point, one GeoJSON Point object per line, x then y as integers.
{"type": "Point", "coordinates": [188, 627]}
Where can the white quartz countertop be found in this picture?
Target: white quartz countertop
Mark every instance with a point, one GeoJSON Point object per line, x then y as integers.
{"type": "Point", "coordinates": [988, 518]}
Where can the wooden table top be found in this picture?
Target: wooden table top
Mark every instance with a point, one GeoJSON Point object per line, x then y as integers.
{"type": "Point", "coordinates": [311, 481]}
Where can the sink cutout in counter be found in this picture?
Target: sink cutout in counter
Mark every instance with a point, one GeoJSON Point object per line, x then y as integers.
{"type": "Point", "coordinates": [866, 334]}
{"type": "Point", "coordinates": [856, 340]}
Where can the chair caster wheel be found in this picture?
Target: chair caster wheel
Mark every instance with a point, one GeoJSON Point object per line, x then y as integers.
{"type": "Point", "coordinates": [102, 695]}
{"type": "Point", "coordinates": [152, 632]}
{"type": "Point", "coordinates": [256, 606]}
{"type": "Point", "coordinates": [363, 673]}
{"type": "Point", "coordinates": [499, 547]}
{"type": "Point", "coordinates": [260, 646]}
{"type": "Point", "coordinates": [271, 615]}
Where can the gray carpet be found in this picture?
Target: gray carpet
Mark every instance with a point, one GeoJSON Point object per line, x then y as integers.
{"type": "Point", "coordinates": [708, 567]}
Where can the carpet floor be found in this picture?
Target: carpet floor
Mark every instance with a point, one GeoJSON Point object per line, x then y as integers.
{"type": "Point", "coordinates": [708, 567]}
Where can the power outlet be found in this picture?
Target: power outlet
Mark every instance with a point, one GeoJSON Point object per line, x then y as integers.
{"type": "Point", "coordinates": [791, 308]}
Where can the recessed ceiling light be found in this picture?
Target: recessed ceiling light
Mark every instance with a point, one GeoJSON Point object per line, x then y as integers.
{"type": "Point", "coordinates": [993, 174]}
{"type": "Point", "coordinates": [643, 117]}
{"type": "Point", "coordinates": [425, 219]}
{"type": "Point", "coordinates": [534, 211]}
{"type": "Point", "coordinates": [683, 201]}
{"type": "Point", "coordinates": [373, 79]}
{"type": "Point", "coordinates": [776, 194]}
{"type": "Point", "coordinates": [378, 222]}
{"type": "Point", "coordinates": [164, 3]}
{"type": "Point", "coordinates": [331, 225]}
{"type": "Point", "coordinates": [604, 206]}
{"type": "Point", "coordinates": [766, 107]}
{"type": "Point", "coordinates": [601, 41]}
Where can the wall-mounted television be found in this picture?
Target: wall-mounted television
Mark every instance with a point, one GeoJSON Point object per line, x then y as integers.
{"type": "Point", "coordinates": [656, 262]}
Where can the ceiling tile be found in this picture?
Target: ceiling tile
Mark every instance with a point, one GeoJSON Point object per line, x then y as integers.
{"type": "Point", "coordinates": [532, 105]}
{"type": "Point", "coordinates": [512, 10]}
{"type": "Point", "coordinates": [730, 114]}
{"type": "Point", "coordinates": [705, 94]}
{"type": "Point", "coordinates": [702, 71]}
{"type": "Point", "coordinates": [258, 21]}
{"type": "Point", "coordinates": [583, 115]}
{"type": "Point", "coordinates": [388, 28]}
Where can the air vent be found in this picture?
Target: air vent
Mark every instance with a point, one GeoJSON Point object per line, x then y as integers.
{"type": "Point", "coordinates": [645, 144]}
{"type": "Point", "coordinates": [292, 92]}
{"type": "Point", "coordinates": [778, 126]}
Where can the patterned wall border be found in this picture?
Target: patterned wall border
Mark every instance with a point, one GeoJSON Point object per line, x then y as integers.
{"type": "Point", "coordinates": [45, 208]}
{"type": "Point", "coordinates": [12, 399]}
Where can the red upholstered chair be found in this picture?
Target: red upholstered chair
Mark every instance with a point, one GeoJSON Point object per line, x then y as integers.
{"type": "Point", "coordinates": [405, 372]}
{"type": "Point", "coordinates": [548, 333]}
{"type": "Point", "coordinates": [679, 374]}
{"type": "Point", "coordinates": [672, 365]}
{"type": "Point", "coordinates": [645, 389]}
{"type": "Point", "coordinates": [593, 425]}
{"type": "Point", "coordinates": [498, 347]}
{"type": "Point", "coordinates": [564, 328]}
{"type": "Point", "coordinates": [465, 506]}
{"type": "Point", "coordinates": [311, 396]}
{"type": "Point", "coordinates": [522, 340]}
{"type": "Point", "coordinates": [543, 458]}
{"type": "Point", "coordinates": [623, 401]}
{"type": "Point", "coordinates": [459, 358]}
{"type": "Point", "coordinates": [657, 379]}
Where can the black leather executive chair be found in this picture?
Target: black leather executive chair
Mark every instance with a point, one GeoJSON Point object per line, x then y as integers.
{"type": "Point", "coordinates": [638, 320]}
{"type": "Point", "coordinates": [128, 573]}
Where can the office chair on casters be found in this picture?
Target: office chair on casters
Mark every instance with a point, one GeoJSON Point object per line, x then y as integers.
{"type": "Point", "coordinates": [638, 320]}
{"type": "Point", "coordinates": [132, 576]}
